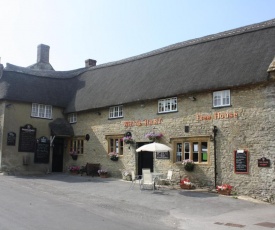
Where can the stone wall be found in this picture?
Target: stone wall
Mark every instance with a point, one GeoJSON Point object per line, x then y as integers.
{"type": "Point", "coordinates": [247, 124]}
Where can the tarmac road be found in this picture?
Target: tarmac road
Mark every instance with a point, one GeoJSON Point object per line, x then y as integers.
{"type": "Point", "coordinates": [63, 201]}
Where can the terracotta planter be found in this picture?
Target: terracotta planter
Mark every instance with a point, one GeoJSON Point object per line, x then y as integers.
{"type": "Point", "coordinates": [186, 186]}
{"type": "Point", "coordinates": [224, 192]}
{"type": "Point", "coordinates": [105, 175]}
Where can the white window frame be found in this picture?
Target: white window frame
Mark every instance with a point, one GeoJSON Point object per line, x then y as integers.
{"type": "Point", "coordinates": [168, 105]}
{"type": "Point", "coordinates": [72, 118]}
{"type": "Point", "coordinates": [41, 111]}
{"type": "Point", "coordinates": [116, 112]}
{"type": "Point", "coordinates": [221, 98]}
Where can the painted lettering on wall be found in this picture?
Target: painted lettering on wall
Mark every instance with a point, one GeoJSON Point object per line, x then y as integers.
{"type": "Point", "coordinates": [146, 122]}
{"type": "Point", "coordinates": [217, 116]}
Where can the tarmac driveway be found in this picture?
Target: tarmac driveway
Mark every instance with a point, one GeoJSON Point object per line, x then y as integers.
{"type": "Point", "coordinates": [109, 203]}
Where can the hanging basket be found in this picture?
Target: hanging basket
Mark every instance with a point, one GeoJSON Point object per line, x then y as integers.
{"type": "Point", "coordinates": [74, 157]}
{"type": "Point", "coordinates": [114, 158]}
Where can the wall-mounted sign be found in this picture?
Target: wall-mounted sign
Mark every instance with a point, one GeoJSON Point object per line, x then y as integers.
{"type": "Point", "coordinates": [42, 151]}
{"type": "Point", "coordinates": [11, 138]}
{"type": "Point", "coordinates": [263, 162]}
{"type": "Point", "coordinates": [145, 122]}
{"type": "Point", "coordinates": [27, 139]}
{"type": "Point", "coordinates": [241, 161]}
{"type": "Point", "coordinates": [216, 116]}
{"type": "Point", "coordinates": [162, 155]}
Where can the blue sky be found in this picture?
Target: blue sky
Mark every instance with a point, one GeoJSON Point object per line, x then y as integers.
{"type": "Point", "coordinates": [111, 30]}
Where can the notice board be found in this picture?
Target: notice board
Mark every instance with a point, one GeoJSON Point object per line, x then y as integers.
{"type": "Point", "coordinates": [241, 161]}
{"type": "Point", "coordinates": [42, 151]}
{"type": "Point", "coordinates": [27, 139]}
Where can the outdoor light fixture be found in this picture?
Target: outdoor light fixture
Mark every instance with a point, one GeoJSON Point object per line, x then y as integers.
{"type": "Point", "coordinates": [192, 98]}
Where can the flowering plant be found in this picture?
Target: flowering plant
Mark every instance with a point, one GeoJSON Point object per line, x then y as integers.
{"type": "Point", "coordinates": [73, 153]}
{"type": "Point", "coordinates": [74, 168]}
{"type": "Point", "coordinates": [128, 140]}
{"type": "Point", "coordinates": [153, 136]}
{"type": "Point", "coordinates": [224, 187]}
{"type": "Point", "coordinates": [185, 181]}
{"type": "Point", "coordinates": [188, 165]}
{"type": "Point", "coordinates": [113, 156]}
{"type": "Point", "coordinates": [102, 171]}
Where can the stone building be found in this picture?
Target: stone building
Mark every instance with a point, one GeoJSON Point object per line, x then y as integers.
{"type": "Point", "coordinates": [211, 99]}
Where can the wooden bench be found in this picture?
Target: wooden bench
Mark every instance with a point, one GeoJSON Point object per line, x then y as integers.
{"type": "Point", "coordinates": [90, 169]}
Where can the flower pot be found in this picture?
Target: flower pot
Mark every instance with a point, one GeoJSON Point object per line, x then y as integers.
{"type": "Point", "coordinates": [103, 175]}
{"type": "Point", "coordinates": [74, 157]}
{"type": "Point", "coordinates": [114, 158]}
{"type": "Point", "coordinates": [186, 186]}
{"type": "Point", "coordinates": [226, 192]}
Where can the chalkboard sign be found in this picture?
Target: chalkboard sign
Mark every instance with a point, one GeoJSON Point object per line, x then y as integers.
{"type": "Point", "coordinates": [162, 155]}
{"type": "Point", "coordinates": [11, 139]}
{"type": "Point", "coordinates": [42, 151]}
{"type": "Point", "coordinates": [241, 161]}
{"type": "Point", "coordinates": [27, 139]}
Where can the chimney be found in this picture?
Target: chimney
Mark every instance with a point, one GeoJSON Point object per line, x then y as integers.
{"type": "Point", "coordinates": [43, 53]}
{"type": "Point", "coordinates": [90, 63]}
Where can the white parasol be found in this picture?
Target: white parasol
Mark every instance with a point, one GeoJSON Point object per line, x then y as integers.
{"type": "Point", "coordinates": [154, 147]}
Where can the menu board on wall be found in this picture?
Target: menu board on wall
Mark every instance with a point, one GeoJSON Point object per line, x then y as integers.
{"type": "Point", "coordinates": [27, 139]}
{"type": "Point", "coordinates": [42, 151]}
{"type": "Point", "coordinates": [241, 161]}
{"type": "Point", "coordinates": [11, 138]}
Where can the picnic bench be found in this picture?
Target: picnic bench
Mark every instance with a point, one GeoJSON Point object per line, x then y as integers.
{"type": "Point", "coordinates": [91, 169]}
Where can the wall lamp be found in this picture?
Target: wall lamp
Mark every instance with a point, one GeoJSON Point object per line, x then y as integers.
{"type": "Point", "coordinates": [192, 98]}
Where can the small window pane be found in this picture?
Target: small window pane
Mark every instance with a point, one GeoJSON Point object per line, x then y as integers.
{"type": "Point", "coordinates": [195, 152]}
{"type": "Point", "coordinates": [179, 152]}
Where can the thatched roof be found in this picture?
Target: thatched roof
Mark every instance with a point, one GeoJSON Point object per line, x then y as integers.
{"type": "Point", "coordinates": [220, 61]}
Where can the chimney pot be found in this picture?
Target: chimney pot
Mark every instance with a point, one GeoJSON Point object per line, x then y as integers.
{"type": "Point", "coordinates": [90, 63]}
{"type": "Point", "coordinates": [43, 53]}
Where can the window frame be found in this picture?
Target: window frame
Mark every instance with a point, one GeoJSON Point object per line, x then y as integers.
{"type": "Point", "coordinates": [116, 112]}
{"type": "Point", "coordinates": [77, 144]}
{"type": "Point", "coordinates": [41, 111]}
{"type": "Point", "coordinates": [115, 143]}
{"type": "Point", "coordinates": [168, 105]}
{"type": "Point", "coordinates": [223, 96]}
{"type": "Point", "coordinates": [191, 141]}
{"type": "Point", "coordinates": [72, 118]}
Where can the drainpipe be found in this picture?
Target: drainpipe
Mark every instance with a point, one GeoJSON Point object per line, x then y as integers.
{"type": "Point", "coordinates": [215, 130]}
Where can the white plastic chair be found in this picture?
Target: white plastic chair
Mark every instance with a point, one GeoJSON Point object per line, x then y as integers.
{"type": "Point", "coordinates": [168, 179]}
{"type": "Point", "coordinates": [147, 180]}
{"type": "Point", "coordinates": [134, 179]}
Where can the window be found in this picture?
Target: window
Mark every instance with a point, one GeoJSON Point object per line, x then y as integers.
{"type": "Point", "coordinates": [195, 148]}
{"type": "Point", "coordinates": [115, 144]}
{"type": "Point", "coordinates": [77, 145]}
{"type": "Point", "coordinates": [116, 111]}
{"type": "Point", "coordinates": [42, 111]}
{"type": "Point", "coordinates": [72, 118]}
{"type": "Point", "coordinates": [167, 105]}
{"type": "Point", "coordinates": [221, 98]}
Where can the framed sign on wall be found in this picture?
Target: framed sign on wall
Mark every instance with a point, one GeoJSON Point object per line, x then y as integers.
{"type": "Point", "coordinates": [241, 165]}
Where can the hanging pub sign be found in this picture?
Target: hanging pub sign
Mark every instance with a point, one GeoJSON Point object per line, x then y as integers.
{"type": "Point", "coordinates": [241, 161]}
{"type": "Point", "coordinates": [11, 138]}
{"type": "Point", "coordinates": [27, 139]}
{"type": "Point", "coordinates": [263, 162]}
{"type": "Point", "coordinates": [162, 155]}
{"type": "Point", "coordinates": [42, 151]}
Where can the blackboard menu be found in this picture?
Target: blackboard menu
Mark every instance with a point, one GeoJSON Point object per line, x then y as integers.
{"type": "Point", "coordinates": [27, 139]}
{"type": "Point", "coordinates": [42, 151]}
{"type": "Point", "coordinates": [241, 161]}
{"type": "Point", "coordinates": [11, 138]}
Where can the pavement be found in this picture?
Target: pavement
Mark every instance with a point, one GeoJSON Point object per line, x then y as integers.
{"type": "Point", "coordinates": [175, 208]}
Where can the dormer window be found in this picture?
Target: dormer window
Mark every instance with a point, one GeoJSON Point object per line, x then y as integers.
{"type": "Point", "coordinates": [72, 118]}
{"type": "Point", "coordinates": [41, 111]}
{"type": "Point", "coordinates": [168, 105]}
{"type": "Point", "coordinates": [221, 98]}
{"type": "Point", "coordinates": [116, 112]}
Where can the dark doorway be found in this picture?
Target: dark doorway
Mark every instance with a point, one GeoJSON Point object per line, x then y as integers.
{"type": "Point", "coordinates": [145, 159]}
{"type": "Point", "coordinates": [57, 161]}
